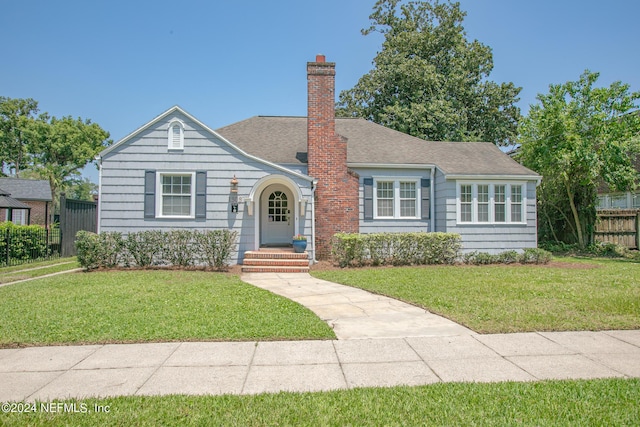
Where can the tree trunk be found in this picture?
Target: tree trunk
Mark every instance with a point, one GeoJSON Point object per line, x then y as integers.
{"type": "Point", "coordinates": [574, 211]}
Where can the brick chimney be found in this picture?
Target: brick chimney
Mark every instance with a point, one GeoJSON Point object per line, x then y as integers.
{"type": "Point", "coordinates": [336, 196]}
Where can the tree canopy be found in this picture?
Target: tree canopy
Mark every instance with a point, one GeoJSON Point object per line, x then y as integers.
{"type": "Point", "coordinates": [429, 80]}
{"type": "Point", "coordinates": [44, 146]}
{"type": "Point", "coordinates": [578, 138]}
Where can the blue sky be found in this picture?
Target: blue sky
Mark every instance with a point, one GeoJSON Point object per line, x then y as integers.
{"type": "Point", "coordinates": [121, 63]}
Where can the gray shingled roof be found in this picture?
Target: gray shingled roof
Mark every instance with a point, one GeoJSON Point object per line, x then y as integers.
{"type": "Point", "coordinates": [283, 140]}
{"type": "Point", "coordinates": [27, 189]}
{"type": "Point", "coordinates": [10, 202]}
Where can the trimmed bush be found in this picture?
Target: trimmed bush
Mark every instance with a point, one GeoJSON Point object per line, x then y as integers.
{"type": "Point", "coordinates": [529, 256]}
{"type": "Point", "coordinates": [178, 248]}
{"type": "Point", "coordinates": [354, 250]}
{"type": "Point", "coordinates": [26, 242]}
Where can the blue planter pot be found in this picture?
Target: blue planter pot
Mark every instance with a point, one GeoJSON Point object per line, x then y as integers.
{"type": "Point", "coordinates": [299, 246]}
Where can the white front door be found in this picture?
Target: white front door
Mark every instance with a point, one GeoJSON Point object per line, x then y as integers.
{"type": "Point", "coordinates": [277, 216]}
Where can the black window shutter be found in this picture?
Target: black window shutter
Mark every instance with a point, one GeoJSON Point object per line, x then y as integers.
{"type": "Point", "coordinates": [425, 207]}
{"type": "Point", "coordinates": [201, 194]}
{"type": "Point", "coordinates": [368, 198]}
{"type": "Point", "coordinates": [149, 194]}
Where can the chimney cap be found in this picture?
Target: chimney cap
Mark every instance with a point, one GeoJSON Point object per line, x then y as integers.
{"type": "Point", "coordinates": [320, 58]}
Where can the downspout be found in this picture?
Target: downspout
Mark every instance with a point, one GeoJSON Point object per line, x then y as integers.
{"type": "Point", "coordinates": [432, 209]}
{"type": "Point", "coordinates": [313, 220]}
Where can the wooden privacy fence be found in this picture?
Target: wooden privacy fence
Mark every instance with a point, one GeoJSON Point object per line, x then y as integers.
{"type": "Point", "coordinates": [619, 226]}
{"type": "Point", "coordinates": [75, 215]}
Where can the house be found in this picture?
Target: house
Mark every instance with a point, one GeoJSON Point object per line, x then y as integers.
{"type": "Point", "coordinates": [25, 201]}
{"type": "Point", "coordinates": [270, 178]}
{"type": "Point", "coordinates": [621, 199]}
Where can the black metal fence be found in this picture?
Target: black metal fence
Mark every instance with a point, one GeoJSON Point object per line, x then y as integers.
{"type": "Point", "coordinates": [23, 244]}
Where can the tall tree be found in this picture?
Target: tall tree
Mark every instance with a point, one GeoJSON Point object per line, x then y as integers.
{"type": "Point", "coordinates": [578, 137]}
{"type": "Point", "coordinates": [61, 147]}
{"type": "Point", "coordinates": [16, 119]}
{"type": "Point", "coordinates": [429, 80]}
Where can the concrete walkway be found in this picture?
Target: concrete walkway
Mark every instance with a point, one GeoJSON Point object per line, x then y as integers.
{"type": "Point", "coordinates": [47, 373]}
{"type": "Point", "coordinates": [382, 342]}
{"type": "Point", "coordinates": [354, 313]}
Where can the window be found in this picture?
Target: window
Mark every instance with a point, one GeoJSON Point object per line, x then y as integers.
{"type": "Point", "coordinates": [466, 203]}
{"type": "Point", "coordinates": [176, 136]}
{"type": "Point", "coordinates": [176, 195]}
{"type": "Point", "coordinates": [490, 203]}
{"type": "Point", "coordinates": [278, 207]}
{"type": "Point", "coordinates": [635, 201]}
{"type": "Point", "coordinates": [385, 199]}
{"type": "Point", "coordinates": [618, 201]}
{"type": "Point", "coordinates": [408, 199]}
{"type": "Point", "coordinates": [18, 216]}
{"type": "Point", "coordinates": [483, 203]}
{"type": "Point", "coordinates": [516, 203]}
{"type": "Point", "coordinates": [396, 199]}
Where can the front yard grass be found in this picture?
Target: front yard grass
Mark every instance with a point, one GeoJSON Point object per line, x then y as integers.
{"type": "Point", "coordinates": [610, 402]}
{"type": "Point", "coordinates": [569, 294]}
{"type": "Point", "coordinates": [37, 269]}
{"type": "Point", "coordinates": [147, 306]}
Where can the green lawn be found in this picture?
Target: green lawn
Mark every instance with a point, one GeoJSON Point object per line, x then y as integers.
{"type": "Point", "coordinates": [36, 269]}
{"type": "Point", "coordinates": [610, 402]}
{"type": "Point", "coordinates": [144, 306]}
{"type": "Point", "coordinates": [571, 294]}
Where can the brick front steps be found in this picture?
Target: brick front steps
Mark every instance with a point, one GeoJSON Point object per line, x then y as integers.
{"type": "Point", "coordinates": [275, 261]}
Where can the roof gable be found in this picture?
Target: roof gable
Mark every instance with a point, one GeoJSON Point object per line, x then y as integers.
{"type": "Point", "coordinates": [176, 110]}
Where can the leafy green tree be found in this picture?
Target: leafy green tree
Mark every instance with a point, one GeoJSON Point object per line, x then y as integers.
{"type": "Point", "coordinates": [578, 137]}
{"type": "Point", "coordinates": [429, 80]}
{"type": "Point", "coordinates": [46, 147]}
{"type": "Point", "coordinates": [16, 120]}
{"type": "Point", "coordinates": [61, 147]}
{"type": "Point", "coordinates": [81, 189]}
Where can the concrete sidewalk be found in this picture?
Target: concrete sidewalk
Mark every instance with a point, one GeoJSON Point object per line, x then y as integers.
{"type": "Point", "coordinates": [354, 313]}
{"type": "Point", "coordinates": [46, 373]}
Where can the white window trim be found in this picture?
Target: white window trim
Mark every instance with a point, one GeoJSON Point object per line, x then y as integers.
{"type": "Point", "coordinates": [170, 145]}
{"type": "Point", "coordinates": [192, 208]}
{"type": "Point", "coordinates": [508, 203]}
{"type": "Point", "coordinates": [396, 196]}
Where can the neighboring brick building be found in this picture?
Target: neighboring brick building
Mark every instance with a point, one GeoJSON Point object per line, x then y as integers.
{"type": "Point", "coordinates": [34, 193]}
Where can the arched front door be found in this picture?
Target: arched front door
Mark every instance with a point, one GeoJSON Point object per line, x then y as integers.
{"type": "Point", "coordinates": [277, 216]}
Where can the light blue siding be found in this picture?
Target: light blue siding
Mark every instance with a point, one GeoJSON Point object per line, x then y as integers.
{"type": "Point", "coordinates": [122, 182]}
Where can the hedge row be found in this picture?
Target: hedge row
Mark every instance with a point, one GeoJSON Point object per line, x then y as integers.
{"type": "Point", "coordinates": [22, 242]}
{"type": "Point", "coordinates": [182, 248]}
{"type": "Point", "coordinates": [528, 256]}
{"type": "Point", "coordinates": [395, 248]}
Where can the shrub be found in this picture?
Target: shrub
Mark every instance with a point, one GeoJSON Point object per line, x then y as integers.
{"type": "Point", "coordinates": [394, 248]}
{"type": "Point", "coordinates": [535, 256]}
{"type": "Point", "coordinates": [88, 248]}
{"type": "Point", "coordinates": [181, 248]}
{"type": "Point", "coordinates": [216, 247]}
{"type": "Point", "coordinates": [144, 247]}
{"type": "Point", "coordinates": [26, 242]}
{"type": "Point", "coordinates": [528, 256]}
